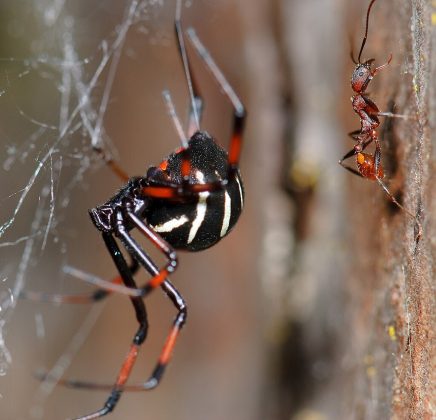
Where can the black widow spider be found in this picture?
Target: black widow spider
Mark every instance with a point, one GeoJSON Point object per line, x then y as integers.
{"type": "Point", "coordinates": [189, 202]}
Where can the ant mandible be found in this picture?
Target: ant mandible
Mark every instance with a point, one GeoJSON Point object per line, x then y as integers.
{"type": "Point", "coordinates": [369, 166]}
{"type": "Point", "coordinates": [190, 201]}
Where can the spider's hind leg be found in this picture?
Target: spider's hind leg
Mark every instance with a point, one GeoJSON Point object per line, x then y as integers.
{"type": "Point", "coordinates": [196, 100]}
{"type": "Point", "coordinates": [239, 113]}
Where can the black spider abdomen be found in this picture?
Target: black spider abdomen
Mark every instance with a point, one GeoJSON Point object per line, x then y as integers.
{"type": "Point", "coordinates": [200, 223]}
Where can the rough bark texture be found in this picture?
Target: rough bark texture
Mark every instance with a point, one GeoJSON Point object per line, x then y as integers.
{"type": "Point", "coordinates": [393, 282]}
{"type": "Point", "coordinates": [357, 321]}
{"type": "Point", "coordinates": [413, 294]}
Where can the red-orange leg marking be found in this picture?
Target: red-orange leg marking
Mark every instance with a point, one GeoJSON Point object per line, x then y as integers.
{"type": "Point", "coordinates": [127, 366]}
{"type": "Point", "coordinates": [157, 280]}
{"type": "Point", "coordinates": [169, 346]}
{"type": "Point", "coordinates": [235, 149]}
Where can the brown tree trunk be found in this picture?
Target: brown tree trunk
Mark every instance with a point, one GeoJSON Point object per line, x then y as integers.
{"type": "Point", "coordinates": [353, 333]}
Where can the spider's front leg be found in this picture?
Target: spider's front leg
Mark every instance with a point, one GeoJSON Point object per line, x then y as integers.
{"type": "Point", "coordinates": [158, 279]}
{"type": "Point", "coordinates": [138, 339]}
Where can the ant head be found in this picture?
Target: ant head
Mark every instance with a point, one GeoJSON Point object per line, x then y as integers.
{"type": "Point", "coordinates": [362, 75]}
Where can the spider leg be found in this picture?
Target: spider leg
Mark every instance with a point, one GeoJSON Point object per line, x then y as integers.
{"type": "Point", "coordinates": [141, 315]}
{"type": "Point", "coordinates": [81, 298]}
{"type": "Point", "coordinates": [239, 113]}
{"type": "Point", "coordinates": [138, 339]}
{"type": "Point", "coordinates": [196, 102]}
{"type": "Point", "coordinates": [163, 360]}
{"type": "Point", "coordinates": [196, 105]}
{"type": "Point", "coordinates": [141, 256]}
{"type": "Point", "coordinates": [113, 166]}
{"type": "Point", "coordinates": [196, 108]}
{"type": "Point", "coordinates": [183, 191]}
{"type": "Point", "coordinates": [176, 122]}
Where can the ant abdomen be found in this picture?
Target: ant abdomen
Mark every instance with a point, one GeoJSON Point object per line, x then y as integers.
{"type": "Point", "coordinates": [366, 166]}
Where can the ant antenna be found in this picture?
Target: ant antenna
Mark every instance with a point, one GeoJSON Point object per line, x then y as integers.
{"type": "Point", "coordinates": [172, 112]}
{"type": "Point", "coordinates": [366, 31]}
{"type": "Point", "coordinates": [184, 56]}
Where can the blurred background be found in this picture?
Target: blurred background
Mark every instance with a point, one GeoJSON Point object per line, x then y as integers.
{"type": "Point", "coordinates": [317, 304]}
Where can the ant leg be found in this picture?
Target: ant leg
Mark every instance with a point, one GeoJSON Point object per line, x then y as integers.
{"type": "Point", "coordinates": [377, 159]}
{"type": "Point", "coordinates": [392, 115]}
{"type": "Point", "coordinates": [352, 170]}
{"type": "Point", "coordinates": [372, 110]}
{"type": "Point", "coordinates": [362, 138]}
{"type": "Point", "coordinates": [377, 69]}
{"type": "Point", "coordinates": [239, 110]}
{"type": "Point", "coordinates": [356, 149]}
{"type": "Point", "coordinates": [394, 200]}
{"type": "Point", "coordinates": [352, 152]}
{"type": "Point", "coordinates": [354, 134]}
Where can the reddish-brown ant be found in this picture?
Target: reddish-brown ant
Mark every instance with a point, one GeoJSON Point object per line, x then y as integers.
{"type": "Point", "coordinates": [369, 166]}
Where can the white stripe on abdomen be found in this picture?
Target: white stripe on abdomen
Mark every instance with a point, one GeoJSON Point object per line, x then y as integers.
{"type": "Point", "coordinates": [227, 214]}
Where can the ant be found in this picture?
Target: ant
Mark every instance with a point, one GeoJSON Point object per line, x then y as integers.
{"type": "Point", "coordinates": [369, 166]}
{"type": "Point", "coordinates": [190, 201]}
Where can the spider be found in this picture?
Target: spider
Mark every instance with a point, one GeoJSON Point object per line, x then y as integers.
{"type": "Point", "coordinates": [190, 201]}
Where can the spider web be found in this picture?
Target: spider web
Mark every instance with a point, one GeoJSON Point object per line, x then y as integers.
{"type": "Point", "coordinates": [52, 115]}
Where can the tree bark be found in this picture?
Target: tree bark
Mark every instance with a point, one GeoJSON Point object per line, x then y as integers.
{"type": "Point", "coordinates": [359, 297]}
